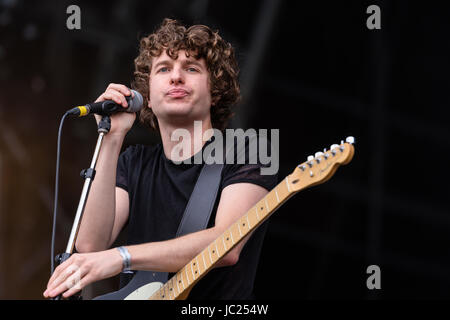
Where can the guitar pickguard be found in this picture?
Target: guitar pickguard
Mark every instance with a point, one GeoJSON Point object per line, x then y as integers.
{"type": "Point", "coordinates": [142, 286]}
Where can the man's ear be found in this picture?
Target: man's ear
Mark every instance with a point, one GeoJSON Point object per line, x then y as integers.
{"type": "Point", "coordinates": [149, 105]}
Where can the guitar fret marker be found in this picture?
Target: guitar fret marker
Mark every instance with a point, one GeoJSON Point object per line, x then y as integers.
{"type": "Point", "coordinates": [192, 270]}
{"type": "Point", "coordinates": [198, 267]}
{"type": "Point", "coordinates": [177, 281]}
{"type": "Point", "coordinates": [210, 257]}
{"type": "Point", "coordinates": [182, 282]}
{"type": "Point", "coordinates": [171, 289]}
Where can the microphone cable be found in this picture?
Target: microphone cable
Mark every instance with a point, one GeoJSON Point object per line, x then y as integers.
{"type": "Point", "coordinates": [55, 205]}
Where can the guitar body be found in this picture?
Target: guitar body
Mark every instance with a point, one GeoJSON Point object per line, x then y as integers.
{"type": "Point", "coordinates": [142, 286]}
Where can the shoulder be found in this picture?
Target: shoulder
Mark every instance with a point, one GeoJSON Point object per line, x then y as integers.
{"type": "Point", "coordinates": [249, 146]}
{"type": "Point", "coordinates": [251, 158]}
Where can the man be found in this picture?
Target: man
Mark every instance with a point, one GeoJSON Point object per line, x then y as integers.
{"type": "Point", "coordinates": [185, 75]}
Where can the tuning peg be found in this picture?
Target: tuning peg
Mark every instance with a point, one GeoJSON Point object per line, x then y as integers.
{"type": "Point", "coordinates": [318, 154]}
{"type": "Point", "coordinates": [350, 140]}
{"type": "Point", "coordinates": [333, 147]}
{"type": "Point", "coordinates": [310, 161]}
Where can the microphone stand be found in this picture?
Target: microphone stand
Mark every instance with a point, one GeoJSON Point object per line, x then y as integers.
{"type": "Point", "coordinates": [88, 174]}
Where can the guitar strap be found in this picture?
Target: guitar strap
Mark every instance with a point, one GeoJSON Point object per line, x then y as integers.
{"type": "Point", "coordinates": [200, 205]}
{"type": "Point", "coordinates": [195, 218]}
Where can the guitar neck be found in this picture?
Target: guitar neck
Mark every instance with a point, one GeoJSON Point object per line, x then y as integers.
{"type": "Point", "coordinates": [316, 170]}
{"type": "Point", "coordinates": [182, 282]}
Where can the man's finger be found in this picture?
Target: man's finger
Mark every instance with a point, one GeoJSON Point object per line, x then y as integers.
{"type": "Point", "coordinates": [58, 271]}
{"type": "Point", "coordinates": [68, 279]}
{"type": "Point", "coordinates": [118, 97]}
{"type": "Point", "coordinates": [121, 88]}
{"type": "Point", "coordinates": [78, 286]}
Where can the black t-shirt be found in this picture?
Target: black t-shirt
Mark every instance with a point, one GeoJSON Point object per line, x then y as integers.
{"type": "Point", "coordinates": [159, 191]}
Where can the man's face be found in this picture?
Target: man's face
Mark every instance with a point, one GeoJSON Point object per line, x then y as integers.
{"type": "Point", "coordinates": [179, 89]}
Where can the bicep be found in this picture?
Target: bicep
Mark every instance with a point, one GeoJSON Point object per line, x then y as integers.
{"type": "Point", "coordinates": [235, 201]}
{"type": "Point", "coordinates": [121, 214]}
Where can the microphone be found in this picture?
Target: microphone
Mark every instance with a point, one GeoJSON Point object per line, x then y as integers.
{"type": "Point", "coordinates": [109, 107]}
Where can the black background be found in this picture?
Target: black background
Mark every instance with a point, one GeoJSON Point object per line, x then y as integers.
{"type": "Point", "coordinates": [313, 70]}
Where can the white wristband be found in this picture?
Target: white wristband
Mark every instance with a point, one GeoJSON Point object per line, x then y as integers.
{"type": "Point", "coordinates": [126, 258]}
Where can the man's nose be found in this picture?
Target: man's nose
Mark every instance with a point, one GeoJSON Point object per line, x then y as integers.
{"type": "Point", "coordinates": [176, 76]}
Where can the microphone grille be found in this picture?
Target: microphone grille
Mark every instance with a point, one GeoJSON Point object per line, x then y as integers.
{"type": "Point", "coordinates": [136, 103]}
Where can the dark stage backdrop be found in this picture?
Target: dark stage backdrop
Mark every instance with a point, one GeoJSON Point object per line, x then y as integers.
{"type": "Point", "coordinates": [313, 70]}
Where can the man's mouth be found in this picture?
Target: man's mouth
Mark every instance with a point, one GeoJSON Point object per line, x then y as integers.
{"type": "Point", "coordinates": [177, 93]}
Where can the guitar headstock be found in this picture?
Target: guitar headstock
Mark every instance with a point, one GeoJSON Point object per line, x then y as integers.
{"type": "Point", "coordinates": [321, 167]}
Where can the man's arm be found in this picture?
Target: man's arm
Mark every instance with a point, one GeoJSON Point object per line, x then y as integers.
{"type": "Point", "coordinates": [107, 207]}
{"type": "Point", "coordinates": [166, 256]}
{"type": "Point", "coordinates": [172, 255]}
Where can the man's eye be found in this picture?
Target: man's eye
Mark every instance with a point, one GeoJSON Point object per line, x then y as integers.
{"type": "Point", "coordinates": [163, 69]}
{"type": "Point", "coordinates": [192, 69]}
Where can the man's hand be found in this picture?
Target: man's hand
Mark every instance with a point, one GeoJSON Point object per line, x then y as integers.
{"type": "Point", "coordinates": [121, 122]}
{"type": "Point", "coordinates": [82, 269]}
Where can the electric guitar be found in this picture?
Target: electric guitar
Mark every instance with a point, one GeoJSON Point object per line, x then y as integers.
{"type": "Point", "coordinates": [155, 286]}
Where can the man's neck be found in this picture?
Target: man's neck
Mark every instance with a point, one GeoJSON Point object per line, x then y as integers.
{"type": "Point", "coordinates": [181, 142]}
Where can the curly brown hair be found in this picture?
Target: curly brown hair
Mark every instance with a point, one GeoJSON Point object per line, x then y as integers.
{"type": "Point", "coordinates": [200, 42]}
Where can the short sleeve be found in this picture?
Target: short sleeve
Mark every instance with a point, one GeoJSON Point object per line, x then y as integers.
{"type": "Point", "coordinates": [248, 173]}
{"type": "Point", "coordinates": [123, 167]}
{"type": "Point", "coordinates": [258, 168]}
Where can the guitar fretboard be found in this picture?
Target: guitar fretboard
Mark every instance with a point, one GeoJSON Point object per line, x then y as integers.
{"type": "Point", "coordinates": [202, 263]}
